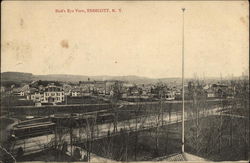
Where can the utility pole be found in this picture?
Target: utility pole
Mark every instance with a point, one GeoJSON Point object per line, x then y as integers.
{"type": "Point", "coordinates": [71, 137]}
{"type": "Point", "coordinates": [161, 111]}
{"type": "Point", "coordinates": [220, 78]}
{"type": "Point", "coordinates": [183, 105]}
{"type": "Point", "coordinates": [66, 97]}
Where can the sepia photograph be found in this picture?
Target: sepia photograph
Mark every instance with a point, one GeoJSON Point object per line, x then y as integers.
{"type": "Point", "coordinates": [124, 81]}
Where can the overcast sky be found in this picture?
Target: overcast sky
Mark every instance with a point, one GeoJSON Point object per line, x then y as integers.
{"type": "Point", "coordinates": [144, 39]}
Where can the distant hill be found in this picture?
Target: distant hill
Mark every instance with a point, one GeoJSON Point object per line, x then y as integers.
{"type": "Point", "coordinates": [22, 77]}
{"type": "Point", "coordinates": [16, 76]}
{"type": "Point", "coordinates": [77, 78]}
{"type": "Point", "coordinates": [8, 78]}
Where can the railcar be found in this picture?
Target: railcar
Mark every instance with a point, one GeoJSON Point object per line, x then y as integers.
{"type": "Point", "coordinates": [33, 130]}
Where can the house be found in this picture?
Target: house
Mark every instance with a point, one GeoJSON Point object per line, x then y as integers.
{"type": "Point", "coordinates": [86, 86]}
{"type": "Point", "coordinates": [219, 89]}
{"type": "Point", "coordinates": [230, 92]}
{"type": "Point", "coordinates": [145, 90]}
{"type": "Point", "coordinates": [31, 92]}
{"type": "Point", "coordinates": [97, 87]}
{"type": "Point", "coordinates": [128, 85]}
{"type": "Point", "coordinates": [210, 93]}
{"type": "Point", "coordinates": [75, 92]}
{"type": "Point", "coordinates": [36, 97]}
{"type": "Point", "coordinates": [50, 94]}
{"type": "Point", "coordinates": [110, 85]}
{"type": "Point", "coordinates": [26, 89]}
{"type": "Point", "coordinates": [100, 87]}
{"type": "Point", "coordinates": [111, 93]}
{"type": "Point", "coordinates": [53, 94]}
{"type": "Point", "coordinates": [41, 88]}
{"type": "Point", "coordinates": [134, 91]}
{"type": "Point", "coordinates": [21, 93]}
{"type": "Point", "coordinates": [18, 92]}
{"type": "Point", "coordinates": [38, 104]}
{"type": "Point", "coordinates": [2, 89]}
{"type": "Point", "coordinates": [206, 87]}
{"type": "Point", "coordinates": [124, 95]}
{"type": "Point", "coordinates": [169, 95]}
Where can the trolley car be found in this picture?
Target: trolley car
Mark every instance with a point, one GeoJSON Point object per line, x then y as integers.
{"type": "Point", "coordinates": [33, 130]}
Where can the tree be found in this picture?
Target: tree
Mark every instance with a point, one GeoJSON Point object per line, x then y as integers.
{"type": "Point", "coordinates": [117, 89]}
{"type": "Point", "coordinates": [20, 152]}
{"type": "Point", "coordinates": [77, 154]}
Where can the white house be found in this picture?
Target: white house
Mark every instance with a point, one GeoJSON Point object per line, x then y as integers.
{"type": "Point", "coordinates": [170, 95]}
{"type": "Point", "coordinates": [210, 93]}
{"type": "Point", "coordinates": [53, 94]}
{"type": "Point", "coordinates": [76, 92]}
{"type": "Point", "coordinates": [2, 89]}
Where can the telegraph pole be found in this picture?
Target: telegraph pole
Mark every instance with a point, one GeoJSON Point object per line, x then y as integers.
{"type": "Point", "coordinates": [183, 105]}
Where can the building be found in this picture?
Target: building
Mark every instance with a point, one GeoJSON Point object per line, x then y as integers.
{"type": "Point", "coordinates": [2, 89]}
{"type": "Point", "coordinates": [36, 97]}
{"type": "Point", "coordinates": [97, 87]}
{"type": "Point", "coordinates": [109, 89]}
{"type": "Point", "coordinates": [169, 95]}
{"type": "Point", "coordinates": [100, 87]}
{"type": "Point", "coordinates": [50, 94]}
{"type": "Point", "coordinates": [18, 92]}
{"type": "Point", "coordinates": [86, 86]}
{"type": "Point", "coordinates": [219, 89]}
{"type": "Point", "coordinates": [75, 92]}
{"type": "Point", "coordinates": [210, 93]}
{"type": "Point", "coordinates": [53, 94]}
{"type": "Point", "coordinates": [134, 91]}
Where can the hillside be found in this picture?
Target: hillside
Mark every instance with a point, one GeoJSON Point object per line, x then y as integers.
{"type": "Point", "coordinates": [16, 76]}
{"type": "Point", "coordinates": [24, 77]}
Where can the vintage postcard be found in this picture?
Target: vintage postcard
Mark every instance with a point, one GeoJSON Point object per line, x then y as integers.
{"type": "Point", "coordinates": [124, 81]}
